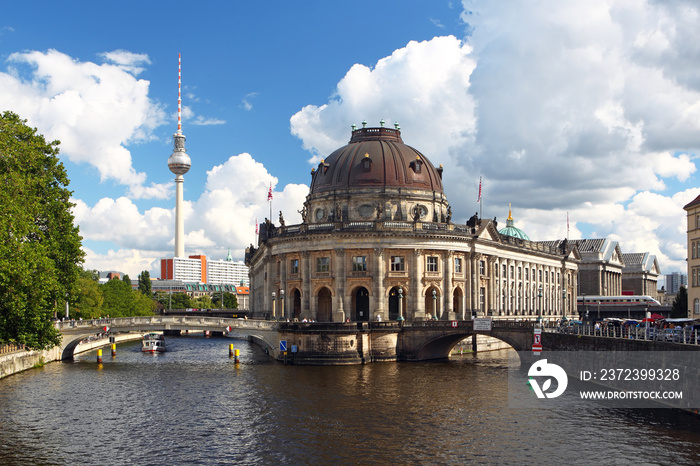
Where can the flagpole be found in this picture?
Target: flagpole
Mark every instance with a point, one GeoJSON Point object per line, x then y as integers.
{"type": "Point", "coordinates": [479, 199]}
{"type": "Point", "coordinates": [269, 199]}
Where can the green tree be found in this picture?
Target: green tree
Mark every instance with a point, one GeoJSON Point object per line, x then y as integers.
{"type": "Point", "coordinates": [126, 279]}
{"type": "Point", "coordinates": [680, 304]}
{"type": "Point", "coordinates": [40, 247]}
{"type": "Point", "coordinates": [145, 283]}
{"type": "Point", "coordinates": [230, 301]}
{"type": "Point", "coordinates": [202, 302]}
{"type": "Point", "coordinates": [180, 301]}
{"type": "Point", "coordinates": [89, 299]}
{"type": "Point", "coordinates": [121, 301]}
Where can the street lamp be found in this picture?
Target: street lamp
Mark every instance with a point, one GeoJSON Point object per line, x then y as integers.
{"type": "Point", "coordinates": [563, 310]}
{"type": "Point", "coordinates": [435, 304]}
{"type": "Point", "coordinates": [273, 303]}
{"type": "Point", "coordinates": [539, 295]}
{"type": "Point", "coordinates": [400, 317]}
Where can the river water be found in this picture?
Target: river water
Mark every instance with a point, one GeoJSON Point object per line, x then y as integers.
{"type": "Point", "coordinates": [193, 405]}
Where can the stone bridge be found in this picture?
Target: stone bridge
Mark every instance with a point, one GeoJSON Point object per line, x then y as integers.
{"type": "Point", "coordinates": [264, 333]}
{"type": "Point", "coordinates": [419, 341]}
{"type": "Point", "coordinates": [316, 343]}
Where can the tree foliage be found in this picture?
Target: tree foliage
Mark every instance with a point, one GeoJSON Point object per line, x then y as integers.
{"type": "Point", "coordinates": [145, 283]}
{"type": "Point", "coordinates": [177, 301]}
{"type": "Point", "coordinates": [121, 301]}
{"type": "Point", "coordinates": [40, 252]}
{"type": "Point", "coordinates": [680, 304]}
{"type": "Point", "coordinates": [89, 299]}
{"type": "Point", "coordinates": [230, 301]}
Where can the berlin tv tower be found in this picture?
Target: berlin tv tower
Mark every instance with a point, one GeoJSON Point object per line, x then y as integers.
{"type": "Point", "coordinates": [179, 163]}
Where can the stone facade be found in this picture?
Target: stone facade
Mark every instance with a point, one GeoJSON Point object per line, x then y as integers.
{"type": "Point", "coordinates": [377, 242]}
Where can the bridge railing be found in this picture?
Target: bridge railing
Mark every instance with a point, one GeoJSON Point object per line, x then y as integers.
{"type": "Point", "coordinates": [125, 322]}
{"type": "Point", "coordinates": [678, 335]}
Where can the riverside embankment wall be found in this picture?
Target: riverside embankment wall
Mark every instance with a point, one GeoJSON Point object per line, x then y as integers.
{"type": "Point", "coordinates": [18, 361]}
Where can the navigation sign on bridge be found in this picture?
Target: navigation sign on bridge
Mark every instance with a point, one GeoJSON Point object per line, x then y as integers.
{"type": "Point", "coordinates": [283, 345]}
{"type": "Point", "coordinates": [537, 343]}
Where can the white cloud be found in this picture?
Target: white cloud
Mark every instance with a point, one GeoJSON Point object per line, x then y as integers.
{"type": "Point", "coordinates": [128, 61]}
{"type": "Point", "coordinates": [425, 86]}
{"type": "Point", "coordinates": [94, 110]}
{"type": "Point", "coordinates": [129, 261]}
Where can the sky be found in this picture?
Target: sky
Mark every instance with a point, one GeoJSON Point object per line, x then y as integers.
{"type": "Point", "coordinates": [583, 116]}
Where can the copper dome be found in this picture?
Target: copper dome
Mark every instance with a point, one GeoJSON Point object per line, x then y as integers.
{"type": "Point", "coordinates": [376, 158]}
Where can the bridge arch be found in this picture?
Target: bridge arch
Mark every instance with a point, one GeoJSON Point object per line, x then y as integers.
{"type": "Point", "coordinates": [435, 340]}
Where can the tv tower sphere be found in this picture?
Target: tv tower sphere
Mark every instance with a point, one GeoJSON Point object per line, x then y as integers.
{"type": "Point", "coordinates": [179, 162]}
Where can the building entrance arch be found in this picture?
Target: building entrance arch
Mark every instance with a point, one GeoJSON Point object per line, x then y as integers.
{"type": "Point", "coordinates": [457, 303]}
{"type": "Point", "coordinates": [432, 302]}
{"type": "Point", "coordinates": [396, 303]}
{"type": "Point", "coordinates": [360, 304]}
{"type": "Point", "coordinates": [325, 305]}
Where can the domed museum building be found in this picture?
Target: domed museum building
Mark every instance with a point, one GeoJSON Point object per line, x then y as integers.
{"type": "Point", "coordinates": [377, 241]}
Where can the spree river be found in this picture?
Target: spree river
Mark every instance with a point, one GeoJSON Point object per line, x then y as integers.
{"type": "Point", "coordinates": [193, 405]}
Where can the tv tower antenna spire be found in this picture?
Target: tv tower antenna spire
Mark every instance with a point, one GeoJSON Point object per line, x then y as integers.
{"type": "Point", "coordinates": [179, 163]}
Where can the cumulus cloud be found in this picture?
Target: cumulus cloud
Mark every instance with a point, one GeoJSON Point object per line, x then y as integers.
{"type": "Point", "coordinates": [128, 61]}
{"type": "Point", "coordinates": [94, 110]}
{"type": "Point", "coordinates": [587, 108]}
{"type": "Point", "coordinates": [129, 261]}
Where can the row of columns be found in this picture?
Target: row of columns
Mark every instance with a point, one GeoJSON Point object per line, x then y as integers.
{"type": "Point", "coordinates": [474, 298]}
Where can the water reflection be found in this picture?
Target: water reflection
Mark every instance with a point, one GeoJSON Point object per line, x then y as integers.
{"type": "Point", "coordinates": [193, 405]}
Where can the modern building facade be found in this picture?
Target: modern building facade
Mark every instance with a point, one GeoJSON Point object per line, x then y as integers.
{"type": "Point", "coordinates": [227, 271]}
{"type": "Point", "coordinates": [377, 242]}
{"type": "Point", "coordinates": [186, 269]}
{"type": "Point", "coordinates": [674, 281]}
{"type": "Point", "coordinates": [693, 222]}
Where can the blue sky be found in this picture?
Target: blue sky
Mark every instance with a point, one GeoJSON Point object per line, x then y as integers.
{"type": "Point", "coordinates": [590, 110]}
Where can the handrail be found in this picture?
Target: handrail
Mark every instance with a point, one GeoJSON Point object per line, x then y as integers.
{"type": "Point", "coordinates": [680, 335]}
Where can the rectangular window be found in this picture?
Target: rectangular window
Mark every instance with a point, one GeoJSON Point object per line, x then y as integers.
{"type": "Point", "coordinates": [482, 267]}
{"type": "Point", "coordinates": [323, 264]}
{"type": "Point", "coordinates": [458, 265]}
{"type": "Point", "coordinates": [527, 273]}
{"type": "Point", "coordinates": [294, 266]}
{"type": "Point", "coordinates": [495, 270]}
{"type": "Point", "coordinates": [432, 265]}
{"type": "Point", "coordinates": [397, 264]}
{"type": "Point", "coordinates": [512, 274]}
{"type": "Point", "coordinates": [359, 264]}
{"type": "Point", "coordinates": [520, 273]}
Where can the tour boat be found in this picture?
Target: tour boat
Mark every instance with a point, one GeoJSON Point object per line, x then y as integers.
{"type": "Point", "coordinates": [153, 343]}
